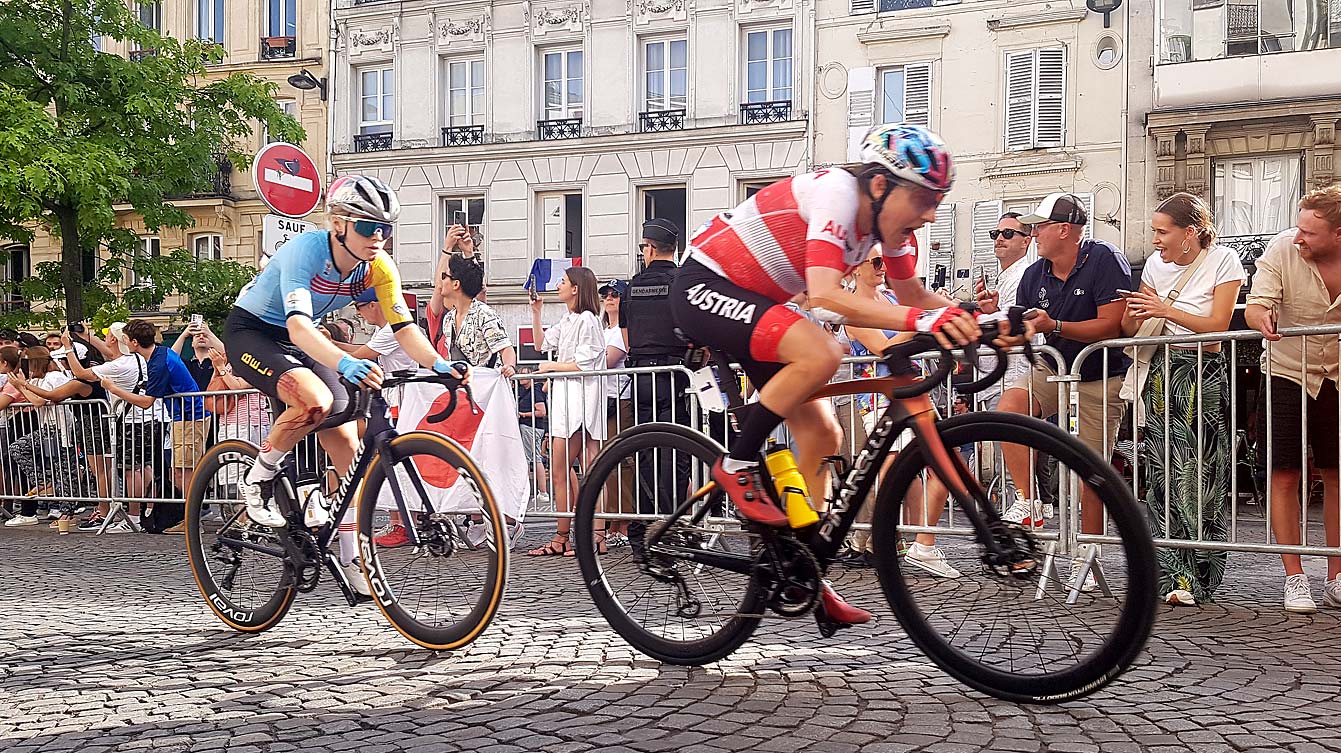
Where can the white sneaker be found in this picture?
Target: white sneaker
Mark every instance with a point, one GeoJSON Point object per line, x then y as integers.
{"type": "Point", "coordinates": [1090, 583]}
{"type": "Point", "coordinates": [119, 526]}
{"type": "Point", "coordinates": [21, 520]}
{"type": "Point", "coordinates": [1024, 512]}
{"type": "Point", "coordinates": [1331, 593]}
{"type": "Point", "coordinates": [1298, 595]}
{"type": "Point", "coordinates": [540, 499]}
{"type": "Point", "coordinates": [475, 535]}
{"type": "Point", "coordinates": [1180, 597]}
{"type": "Point", "coordinates": [354, 574]}
{"type": "Point", "coordinates": [261, 510]}
{"type": "Point", "coordinates": [1049, 511]}
{"type": "Point", "coordinates": [931, 559]}
{"type": "Point", "coordinates": [54, 514]}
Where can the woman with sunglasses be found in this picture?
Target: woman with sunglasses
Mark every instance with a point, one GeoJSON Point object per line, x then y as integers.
{"type": "Point", "coordinates": [274, 345]}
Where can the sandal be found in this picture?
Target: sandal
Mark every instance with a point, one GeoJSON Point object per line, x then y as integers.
{"type": "Point", "coordinates": [557, 547]}
{"type": "Point", "coordinates": [600, 537]}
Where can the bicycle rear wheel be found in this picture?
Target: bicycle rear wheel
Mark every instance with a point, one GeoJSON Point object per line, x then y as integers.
{"type": "Point", "coordinates": [1040, 636]}
{"type": "Point", "coordinates": [670, 608]}
{"type": "Point", "coordinates": [249, 589]}
{"type": "Point", "coordinates": [444, 592]}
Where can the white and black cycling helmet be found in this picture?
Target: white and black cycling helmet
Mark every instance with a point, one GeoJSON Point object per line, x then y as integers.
{"type": "Point", "coordinates": [363, 196]}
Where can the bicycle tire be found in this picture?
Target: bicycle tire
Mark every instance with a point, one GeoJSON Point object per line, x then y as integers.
{"type": "Point", "coordinates": [625, 445]}
{"type": "Point", "coordinates": [1124, 642]}
{"type": "Point", "coordinates": [485, 607]}
{"type": "Point", "coordinates": [240, 617]}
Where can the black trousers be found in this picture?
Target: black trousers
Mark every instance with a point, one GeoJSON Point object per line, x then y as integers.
{"type": "Point", "coordinates": [663, 475]}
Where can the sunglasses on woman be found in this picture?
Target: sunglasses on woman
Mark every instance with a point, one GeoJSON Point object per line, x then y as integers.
{"type": "Point", "coordinates": [878, 263]}
{"type": "Point", "coordinates": [1008, 233]}
{"type": "Point", "coordinates": [369, 228]}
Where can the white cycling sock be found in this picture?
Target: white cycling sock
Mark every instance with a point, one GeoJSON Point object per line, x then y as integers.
{"type": "Point", "coordinates": [267, 464]}
{"type": "Point", "coordinates": [349, 549]}
{"type": "Point", "coordinates": [732, 465]}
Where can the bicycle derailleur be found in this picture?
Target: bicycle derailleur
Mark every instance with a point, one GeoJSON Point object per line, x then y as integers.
{"type": "Point", "coordinates": [1018, 552]}
{"type": "Point", "coordinates": [662, 566]}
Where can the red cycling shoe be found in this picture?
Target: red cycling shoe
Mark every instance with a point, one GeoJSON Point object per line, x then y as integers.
{"type": "Point", "coordinates": [745, 489]}
{"type": "Point", "coordinates": [840, 611]}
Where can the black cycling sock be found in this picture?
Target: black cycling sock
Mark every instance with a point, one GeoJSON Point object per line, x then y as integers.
{"type": "Point", "coordinates": [756, 423]}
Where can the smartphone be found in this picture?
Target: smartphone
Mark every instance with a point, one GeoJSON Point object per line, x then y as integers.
{"type": "Point", "coordinates": [74, 328]}
{"type": "Point", "coordinates": [197, 322]}
{"type": "Point", "coordinates": [459, 218]}
{"type": "Point", "coordinates": [1032, 313]}
{"type": "Point", "coordinates": [1126, 293]}
{"type": "Point", "coordinates": [530, 286]}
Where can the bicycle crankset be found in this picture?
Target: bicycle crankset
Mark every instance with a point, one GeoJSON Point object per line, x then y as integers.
{"type": "Point", "coordinates": [1019, 555]}
{"type": "Point", "coordinates": [309, 567]}
{"type": "Point", "coordinates": [790, 576]}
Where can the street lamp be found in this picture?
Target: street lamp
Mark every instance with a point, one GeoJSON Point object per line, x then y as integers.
{"type": "Point", "coordinates": [1098, 6]}
{"type": "Point", "coordinates": [307, 82]}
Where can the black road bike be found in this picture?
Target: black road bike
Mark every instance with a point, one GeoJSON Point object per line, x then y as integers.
{"type": "Point", "coordinates": [440, 590]}
{"type": "Point", "coordinates": [696, 582]}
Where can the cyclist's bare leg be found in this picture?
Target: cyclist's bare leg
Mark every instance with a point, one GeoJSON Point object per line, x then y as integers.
{"type": "Point", "coordinates": [811, 357]}
{"type": "Point", "coordinates": [308, 402]}
{"type": "Point", "coordinates": [340, 443]}
{"type": "Point", "coordinates": [818, 435]}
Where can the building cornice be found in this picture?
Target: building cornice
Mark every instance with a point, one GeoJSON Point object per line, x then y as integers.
{"type": "Point", "coordinates": [1041, 18]}
{"type": "Point", "coordinates": [1018, 166]}
{"type": "Point", "coordinates": [627, 142]}
{"type": "Point", "coordinates": [1240, 111]}
{"type": "Point", "coordinates": [929, 30]}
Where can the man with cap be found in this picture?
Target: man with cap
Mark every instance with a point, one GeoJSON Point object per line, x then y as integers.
{"type": "Point", "coordinates": [649, 333]}
{"type": "Point", "coordinates": [1075, 287]}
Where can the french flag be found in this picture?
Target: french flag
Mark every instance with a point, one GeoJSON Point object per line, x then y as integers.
{"type": "Point", "coordinates": [546, 273]}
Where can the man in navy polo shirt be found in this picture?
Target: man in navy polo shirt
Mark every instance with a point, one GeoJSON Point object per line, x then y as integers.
{"type": "Point", "coordinates": [1074, 285]}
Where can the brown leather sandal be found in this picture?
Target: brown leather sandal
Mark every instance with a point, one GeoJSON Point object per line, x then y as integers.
{"type": "Point", "coordinates": [557, 547]}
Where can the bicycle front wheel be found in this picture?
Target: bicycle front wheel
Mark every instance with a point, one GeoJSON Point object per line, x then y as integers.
{"type": "Point", "coordinates": [1058, 630]}
{"type": "Point", "coordinates": [239, 566]}
{"type": "Point", "coordinates": [661, 601]}
{"type": "Point", "coordinates": [443, 591]}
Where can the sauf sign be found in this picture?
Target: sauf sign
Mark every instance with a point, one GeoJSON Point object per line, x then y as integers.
{"type": "Point", "coordinates": [276, 231]}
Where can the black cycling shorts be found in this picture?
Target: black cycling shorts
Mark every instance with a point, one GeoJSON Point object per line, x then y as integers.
{"type": "Point", "coordinates": [714, 312]}
{"type": "Point", "coordinates": [261, 353]}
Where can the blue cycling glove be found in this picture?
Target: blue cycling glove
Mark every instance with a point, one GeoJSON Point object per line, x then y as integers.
{"type": "Point", "coordinates": [354, 370]}
{"type": "Point", "coordinates": [442, 366]}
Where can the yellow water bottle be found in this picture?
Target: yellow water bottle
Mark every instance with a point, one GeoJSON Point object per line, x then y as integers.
{"type": "Point", "coordinates": [791, 486]}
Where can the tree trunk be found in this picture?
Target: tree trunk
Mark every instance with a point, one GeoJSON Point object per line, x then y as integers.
{"type": "Point", "coordinates": [72, 264]}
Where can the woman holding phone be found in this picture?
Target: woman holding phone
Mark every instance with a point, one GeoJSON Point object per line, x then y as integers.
{"type": "Point", "coordinates": [1189, 287]}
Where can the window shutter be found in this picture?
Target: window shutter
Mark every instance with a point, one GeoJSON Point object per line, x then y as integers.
{"type": "Point", "coordinates": [860, 107]}
{"type": "Point", "coordinates": [1088, 200]}
{"type": "Point", "coordinates": [986, 215]}
{"type": "Point", "coordinates": [862, 6]}
{"type": "Point", "coordinates": [942, 231]}
{"type": "Point", "coordinates": [1019, 100]}
{"type": "Point", "coordinates": [1051, 122]}
{"type": "Point", "coordinates": [917, 94]}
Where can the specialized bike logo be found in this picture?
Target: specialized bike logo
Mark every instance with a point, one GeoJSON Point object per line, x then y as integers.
{"type": "Point", "coordinates": [720, 305]}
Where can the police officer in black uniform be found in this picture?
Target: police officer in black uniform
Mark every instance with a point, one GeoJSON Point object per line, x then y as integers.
{"type": "Point", "coordinates": [649, 331]}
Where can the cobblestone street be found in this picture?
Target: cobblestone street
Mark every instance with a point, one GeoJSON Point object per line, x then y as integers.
{"type": "Point", "coordinates": [107, 646]}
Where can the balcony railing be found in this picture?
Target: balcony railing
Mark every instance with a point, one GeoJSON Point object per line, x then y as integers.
{"type": "Point", "coordinates": [559, 128]}
{"type": "Point", "coordinates": [138, 55]}
{"type": "Point", "coordinates": [655, 121]}
{"type": "Point", "coordinates": [1249, 248]}
{"type": "Point", "coordinates": [372, 142]}
{"type": "Point", "coordinates": [754, 113]}
{"type": "Point", "coordinates": [462, 135]}
{"type": "Point", "coordinates": [278, 48]}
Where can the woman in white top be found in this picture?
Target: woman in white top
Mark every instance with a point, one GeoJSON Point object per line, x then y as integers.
{"type": "Point", "coordinates": [1186, 411]}
{"type": "Point", "coordinates": [46, 455]}
{"type": "Point", "coordinates": [576, 405]}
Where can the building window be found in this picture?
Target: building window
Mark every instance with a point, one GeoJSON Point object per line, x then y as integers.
{"type": "Point", "coordinates": [561, 225]}
{"type": "Point", "coordinates": [665, 74]}
{"type": "Point", "coordinates": [768, 65]}
{"type": "Point", "coordinates": [563, 93]}
{"type": "Point", "coordinates": [207, 247]}
{"type": "Point", "coordinates": [465, 92]}
{"type": "Point", "coordinates": [377, 100]}
{"type": "Point", "coordinates": [667, 203]}
{"type": "Point", "coordinates": [464, 210]}
{"type": "Point", "coordinates": [290, 108]}
{"type": "Point", "coordinates": [150, 16]}
{"type": "Point", "coordinates": [282, 18]}
{"type": "Point", "coordinates": [1198, 30]}
{"type": "Point", "coordinates": [210, 20]}
{"type": "Point", "coordinates": [13, 272]}
{"type": "Point", "coordinates": [1256, 195]}
{"type": "Point", "coordinates": [753, 186]}
{"type": "Point", "coordinates": [149, 249]}
{"type": "Point", "coordinates": [1035, 98]}
{"type": "Point", "coordinates": [905, 94]}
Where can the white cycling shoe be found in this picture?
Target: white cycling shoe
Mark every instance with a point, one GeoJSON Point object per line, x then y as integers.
{"type": "Point", "coordinates": [261, 508]}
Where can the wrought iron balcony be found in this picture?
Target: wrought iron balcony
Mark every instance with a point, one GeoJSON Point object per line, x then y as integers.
{"type": "Point", "coordinates": [559, 128]}
{"type": "Point", "coordinates": [278, 48]}
{"type": "Point", "coordinates": [463, 135]}
{"type": "Point", "coordinates": [218, 185]}
{"type": "Point", "coordinates": [372, 142]}
{"type": "Point", "coordinates": [655, 121]}
{"type": "Point", "coordinates": [138, 55]}
{"type": "Point", "coordinates": [1249, 248]}
{"type": "Point", "coordinates": [754, 113]}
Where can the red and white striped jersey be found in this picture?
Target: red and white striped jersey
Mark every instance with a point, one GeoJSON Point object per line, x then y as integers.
{"type": "Point", "coordinates": [766, 244]}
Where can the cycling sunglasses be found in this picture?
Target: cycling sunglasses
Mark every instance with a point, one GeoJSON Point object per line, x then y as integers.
{"type": "Point", "coordinates": [1008, 233]}
{"type": "Point", "coordinates": [369, 228]}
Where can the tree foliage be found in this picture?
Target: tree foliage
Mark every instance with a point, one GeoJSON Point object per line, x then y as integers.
{"type": "Point", "coordinates": [86, 136]}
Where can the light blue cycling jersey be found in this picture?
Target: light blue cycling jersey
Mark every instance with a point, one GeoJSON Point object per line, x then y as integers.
{"type": "Point", "coordinates": [302, 279]}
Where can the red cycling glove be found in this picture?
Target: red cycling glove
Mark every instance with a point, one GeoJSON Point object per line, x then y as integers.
{"type": "Point", "coordinates": [931, 320]}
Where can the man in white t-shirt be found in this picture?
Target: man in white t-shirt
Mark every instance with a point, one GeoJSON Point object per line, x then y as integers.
{"type": "Point", "coordinates": [383, 345]}
{"type": "Point", "coordinates": [1010, 245]}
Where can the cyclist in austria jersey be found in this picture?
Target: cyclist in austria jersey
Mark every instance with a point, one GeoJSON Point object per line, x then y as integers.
{"type": "Point", "coordinates": [803, 235]}
{"type": "Point", "coordinates": [274, 344]}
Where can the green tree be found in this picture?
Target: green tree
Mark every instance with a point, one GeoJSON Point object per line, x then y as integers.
{"type": "Point", "coordinates": [82, 131]}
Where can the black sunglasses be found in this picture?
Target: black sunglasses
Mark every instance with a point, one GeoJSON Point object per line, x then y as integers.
{"type": "Point", "coordinates": [878, 263]}
{"type": "Point", "coordinates": [1008, 233]}
{"type": "Point", "coordinates": [369, 228]}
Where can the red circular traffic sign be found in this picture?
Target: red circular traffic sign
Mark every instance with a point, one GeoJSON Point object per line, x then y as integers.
{"type": "Point", "coordinates": [287, 179]}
